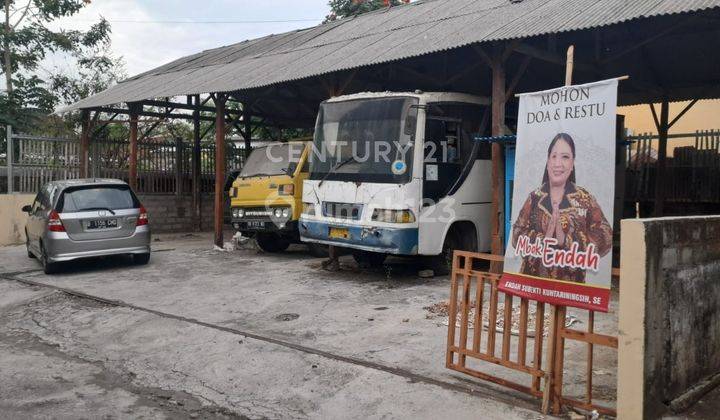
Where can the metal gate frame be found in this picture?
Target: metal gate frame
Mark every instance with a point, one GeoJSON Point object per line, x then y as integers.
{"type": "Point", "coordinates": [464, 276]}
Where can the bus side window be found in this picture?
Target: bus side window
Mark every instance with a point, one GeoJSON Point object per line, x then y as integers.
{"type": "Point", "coordinates": [449, 132]}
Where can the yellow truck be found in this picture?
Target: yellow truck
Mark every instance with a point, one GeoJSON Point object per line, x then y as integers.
{"type": "Point", "coordinates": [266, 196]}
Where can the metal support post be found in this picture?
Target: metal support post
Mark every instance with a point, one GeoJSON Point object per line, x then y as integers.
{"type": "Point", "coordinates": [247, 119]}
{"type": "Point", "coordinates": [178, 166]}
{"type": "Point", "coordinates": [85, 144]}
{"type": "Point", "coordinates": [196, 173]}
{"type": "Point", "coordinates": [498, 168]}
{"type": "Point", "coordinates": [133, 146]}
{"type": "Point", "coordinates": [10, 157]}
{"type": "Point", "coordinates": [663, 128]}
{"type": "Point", "coordinates": [219, 166]}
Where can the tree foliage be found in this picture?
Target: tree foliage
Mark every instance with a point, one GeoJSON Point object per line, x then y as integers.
{"type": "Point", "coordinates": [30, 36]}
{"type": "Point", "coordinates": [344, 8]}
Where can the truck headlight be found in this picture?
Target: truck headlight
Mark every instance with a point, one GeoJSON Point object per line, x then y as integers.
{"type": "Point", "coordinates": [238, 212]}
{"type": "Point", "coordinates": [281, 212]}
{"type": "Point", "coordinates": [393, 216]}
{"type": "Point", "coordinates": [308, 209]}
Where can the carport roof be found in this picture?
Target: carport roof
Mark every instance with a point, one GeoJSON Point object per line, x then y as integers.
{"type": "Point", "coordinates": [397, 33]}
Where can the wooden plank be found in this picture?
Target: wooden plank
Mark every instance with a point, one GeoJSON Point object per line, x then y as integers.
{"type": "Point", "coordinates": [84, 143]}
{"type": "Point", "coordinates": [479, 305]}
{"type": "Point", "coordinates": [498, 171]}
{"type": "Point", "coordinates": [133, 149]}
{"type": "Point", "coordinates": [480, 255]}
{"type": "Point", "coordinates": [452, 313]}
{"type": "Point", "coordinates": [594, 338]}
{"type": "Point", "coordinates": [522, 338]}
{"type": "Point", "coordinates": [219, 166]}
{"type": "Point", "coordinates": [465, 308]}
{"type": "Point", "coordinates": [507, 326]}
{"type": "Point", "coordinates": [589, 368]}
{"type": "Point", "coordinates": [503, 382]}
{"type": "Point", "coordinates": [498, 361]}
{"type": "Point", "coordinates": [492, 319]}
{"type": "Point", "coordinates": [559, 361]}
{"type": "Point", "coordinates": [538, 347]}
{"type": "Point", "coordinates": [550, 377]}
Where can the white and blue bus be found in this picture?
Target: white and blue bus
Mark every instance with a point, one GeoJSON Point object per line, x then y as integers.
{"type": "Point", "coordinates": [399, 173]}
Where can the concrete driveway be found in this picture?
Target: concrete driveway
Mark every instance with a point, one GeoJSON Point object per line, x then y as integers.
{"type": "Point", "coordinates": [204, 333]}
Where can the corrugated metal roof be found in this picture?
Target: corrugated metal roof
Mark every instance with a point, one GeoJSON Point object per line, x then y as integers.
{"type": "Point", "coordinates": [397, 33]}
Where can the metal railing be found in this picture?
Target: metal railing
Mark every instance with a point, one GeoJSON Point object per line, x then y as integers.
{"type": "Point", "coordinates": [692, 167]}
{"type": "Point", "coordinates": [164, 167]}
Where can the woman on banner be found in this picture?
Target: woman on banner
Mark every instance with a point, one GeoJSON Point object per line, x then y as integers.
{"type": "Point", "coordinates": [563, 221]}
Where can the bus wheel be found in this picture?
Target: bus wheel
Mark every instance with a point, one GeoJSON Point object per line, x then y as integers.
{"type": "Point", "coordinates": [367, 259]}
{"type": "Point", "coordinates": [271, 242]}
{"type": "Point", "coordinates": [318, 250]}
{"type": "Point", "coordinates": [442, 264]}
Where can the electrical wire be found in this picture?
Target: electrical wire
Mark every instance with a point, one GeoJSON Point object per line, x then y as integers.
{"type": "Point", "coordinates": [205, 22]}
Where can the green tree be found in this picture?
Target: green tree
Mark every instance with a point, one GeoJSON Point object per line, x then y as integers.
{"type": "Point", "coordinates": [27, 38]}
{"type": "Point", "coordinates": [343, 8]}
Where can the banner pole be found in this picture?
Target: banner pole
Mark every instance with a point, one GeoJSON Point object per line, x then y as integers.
{"type": "Point", "coordinates": [569, 65]}
{"type": "Point", "coordinates": [557, 311]}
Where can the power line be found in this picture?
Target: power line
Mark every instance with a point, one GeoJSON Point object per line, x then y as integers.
{"type": "Point", "coordinates": [203, 22]}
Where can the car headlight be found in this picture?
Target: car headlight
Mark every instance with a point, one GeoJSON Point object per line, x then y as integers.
{"type": "Point", "coordinates": [309, 209]}
{"type": "Point", "coordinates": [393, 216]}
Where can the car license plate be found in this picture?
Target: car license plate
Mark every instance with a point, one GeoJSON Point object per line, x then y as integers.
{"type": "Point", "coordinates": [339, 233]}
{"type": "Point", "coordinates": [256, 225]}
{"type": "Point", "coordinates": [102, 224]}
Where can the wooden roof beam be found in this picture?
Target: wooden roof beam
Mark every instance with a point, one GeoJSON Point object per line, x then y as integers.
{"type": "Point", "coordinates": [550, 57]}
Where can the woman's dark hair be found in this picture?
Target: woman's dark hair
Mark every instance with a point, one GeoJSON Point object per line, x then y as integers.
{"type": "Point", "coordinates": [569, 140]}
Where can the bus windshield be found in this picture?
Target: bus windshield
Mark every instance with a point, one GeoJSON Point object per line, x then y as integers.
{"type": "Point", "coordinates": [365, 140]}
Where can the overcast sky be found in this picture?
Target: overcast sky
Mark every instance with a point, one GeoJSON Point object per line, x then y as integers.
{"type": "Point", "coordinates": [146, 44]}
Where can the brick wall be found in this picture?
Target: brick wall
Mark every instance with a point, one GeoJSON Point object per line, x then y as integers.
{"type": "Point", "coordinates": [669, 312]}
{"type": "Point", "coordinates": [171, 213]}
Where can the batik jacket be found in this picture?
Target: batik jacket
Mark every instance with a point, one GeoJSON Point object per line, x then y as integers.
{"type": "Point", "coordinates": [581, 219]}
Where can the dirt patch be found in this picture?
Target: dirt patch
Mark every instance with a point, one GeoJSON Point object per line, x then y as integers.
{"type": "Point", "coordinates": [440, 311]}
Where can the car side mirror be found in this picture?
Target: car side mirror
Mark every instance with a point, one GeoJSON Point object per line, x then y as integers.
{"type": "Point", "coordinates": [26, 208]}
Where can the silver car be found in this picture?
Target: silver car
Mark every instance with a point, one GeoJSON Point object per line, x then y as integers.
{"type": "Point", "coordinates": [83, 218]}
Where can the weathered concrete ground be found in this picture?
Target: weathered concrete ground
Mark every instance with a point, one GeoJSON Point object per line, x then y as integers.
{"type": "Point", "coordinates": [207, 333]}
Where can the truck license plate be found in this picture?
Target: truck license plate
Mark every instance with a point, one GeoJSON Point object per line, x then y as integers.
{"type": "Point", "coordinates": [256, 225]}
{"type": "Point", "coordinates": [339, 233]}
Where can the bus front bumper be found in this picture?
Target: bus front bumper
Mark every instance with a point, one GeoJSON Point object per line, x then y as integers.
{"type": "Point", "coordinates": [398, 241]}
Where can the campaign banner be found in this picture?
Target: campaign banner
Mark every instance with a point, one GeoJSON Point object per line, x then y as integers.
{"type": "Point", "coordinates": [560, 245]}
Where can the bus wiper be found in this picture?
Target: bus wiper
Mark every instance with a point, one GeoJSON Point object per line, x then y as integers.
{"type": "Point", "coordinates": [98, 208]}
{"type": "Point", "coordinates": [335, 168]}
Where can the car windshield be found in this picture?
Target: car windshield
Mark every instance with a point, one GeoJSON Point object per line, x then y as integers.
{"type": "Point", "coordinates": [366, 140]}
{"type": "Point", "coordinates": [97, 198]}
{"type": "Point", "coordinates": [274, 159]}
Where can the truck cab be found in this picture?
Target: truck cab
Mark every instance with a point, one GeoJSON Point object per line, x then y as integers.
{"type": "Point", "coordinates": [265, 197]}
{"type": "Point", "coordinates": [400, 174]}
